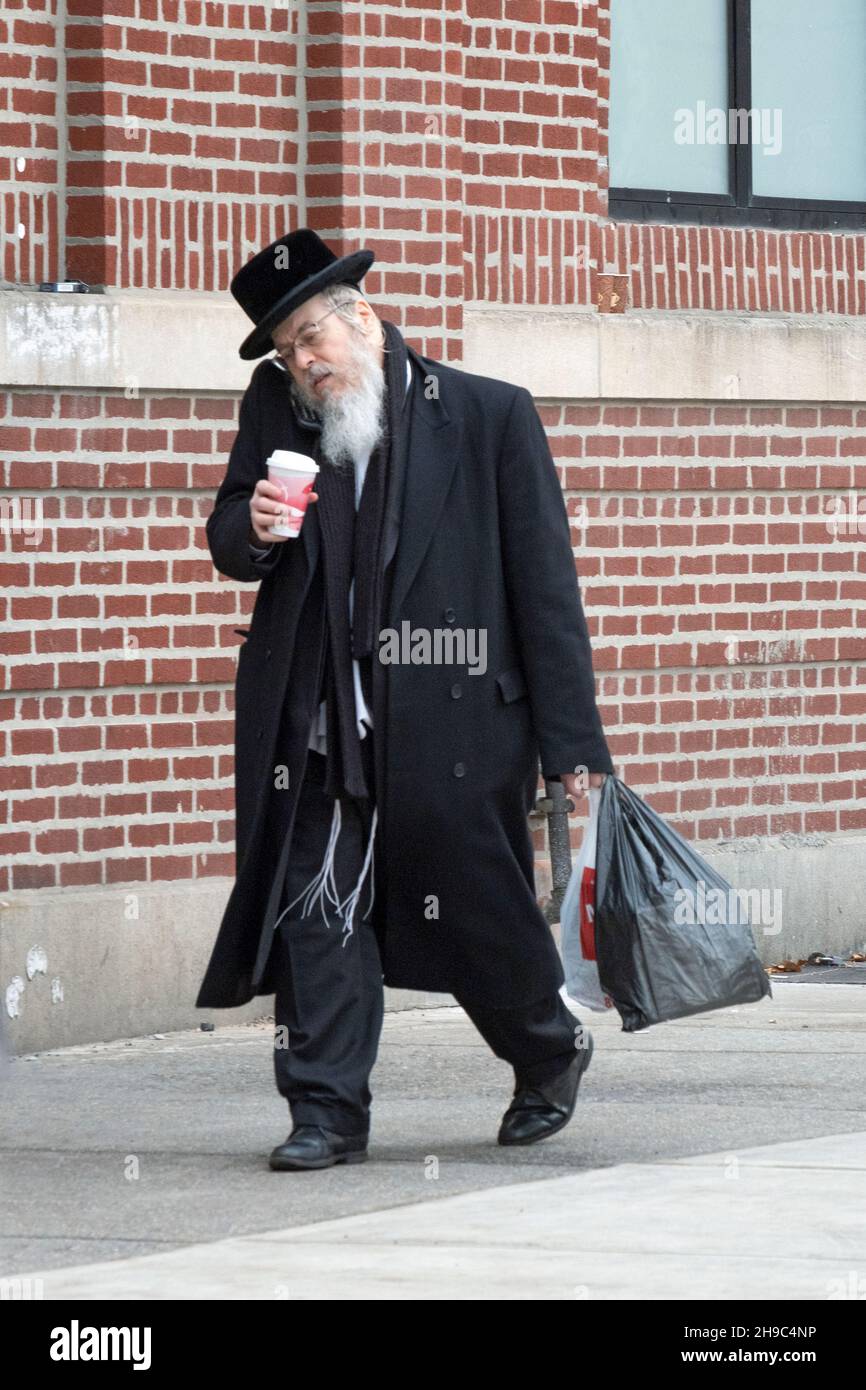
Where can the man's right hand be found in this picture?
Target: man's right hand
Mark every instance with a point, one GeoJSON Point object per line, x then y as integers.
{"type": "Point", "coordinates": [266, 507]}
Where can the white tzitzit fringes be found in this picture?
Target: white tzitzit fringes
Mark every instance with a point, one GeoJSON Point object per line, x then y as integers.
{"type": "Point", "coordinates": [324, 883]}
{"type": "Point", "coordinates": [354, 897]}
{"type": "Point", "coordinates": [319, 884]}
{"type": "Point", "coordinates": [372, 860]}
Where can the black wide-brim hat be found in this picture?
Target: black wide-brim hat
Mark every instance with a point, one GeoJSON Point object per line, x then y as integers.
{"type": "Point", "coordinates": [284, 275]}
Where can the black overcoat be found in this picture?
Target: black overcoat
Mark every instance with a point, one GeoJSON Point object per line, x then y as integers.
{"type": "Point", "coordinates": [477, 536]}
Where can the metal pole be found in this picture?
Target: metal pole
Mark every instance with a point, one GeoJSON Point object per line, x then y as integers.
{"type": "Point", "coordinates": [556, 806]}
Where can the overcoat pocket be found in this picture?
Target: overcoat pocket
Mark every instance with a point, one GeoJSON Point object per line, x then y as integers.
{"type": "Point", "coordinates": [511, 684]}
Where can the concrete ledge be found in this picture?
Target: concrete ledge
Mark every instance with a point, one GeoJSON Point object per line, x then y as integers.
{"type": "Point", "coordinates": [103, 972]}
{"type": "Point", "coordinates": [119, 962]}
{"type": "Point", "coordinates": [134, 340]}
{"type": "Point", "coordinates": [139, 340]}
{"type": "Point", "coordinates": [670, 356]}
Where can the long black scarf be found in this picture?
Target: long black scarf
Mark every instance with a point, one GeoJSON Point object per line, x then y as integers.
{"type": "Point", "coordinates": [352, 548]}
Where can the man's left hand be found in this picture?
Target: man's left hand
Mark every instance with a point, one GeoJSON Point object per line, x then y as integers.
{"type": "Point", "coordinates": [576, 783]}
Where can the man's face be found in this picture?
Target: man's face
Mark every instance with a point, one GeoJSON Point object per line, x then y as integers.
{"type": "Point", "coordinates": [328, 367]}
{"type": "Point", "coordinates": [339, 377]}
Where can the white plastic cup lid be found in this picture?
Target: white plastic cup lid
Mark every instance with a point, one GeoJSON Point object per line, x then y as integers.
{"type": "Point", "coordinates": [290, 462]}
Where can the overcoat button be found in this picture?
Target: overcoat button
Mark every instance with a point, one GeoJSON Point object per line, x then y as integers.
{"type": "Point", "coordinates": [268, 654]}
{"type": "Point", "coordinates": [456, 690]}
{"type": "Point", "coordinates": [459, 769]}
{"type": "Point", "coordinates": [450, 615]}
{"type": "Point", "coordinates": [261, 733]}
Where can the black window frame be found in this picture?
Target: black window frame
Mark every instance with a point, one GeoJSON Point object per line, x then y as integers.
{"type": "Point", "coordinates": [742, 207]}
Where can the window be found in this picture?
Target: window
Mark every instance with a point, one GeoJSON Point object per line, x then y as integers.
{"type": "Point", "coordinates": [739, 111]}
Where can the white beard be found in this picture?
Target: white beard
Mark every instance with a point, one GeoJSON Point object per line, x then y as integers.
{"type": "Point", "coordinates": [353, 418]}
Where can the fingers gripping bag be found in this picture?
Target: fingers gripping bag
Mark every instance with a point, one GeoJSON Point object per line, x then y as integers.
{"type": "Point", "coordinates": [577, 922]}
{"type": "Point", "coordinates": [673, 937]}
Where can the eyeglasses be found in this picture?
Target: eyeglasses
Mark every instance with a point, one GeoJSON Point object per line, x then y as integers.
{"type": "Point", "coordinates": [310, 336]}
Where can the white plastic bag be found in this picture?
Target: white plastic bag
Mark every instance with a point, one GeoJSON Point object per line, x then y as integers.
{"type": "Point", "coordinates": [577, 922]}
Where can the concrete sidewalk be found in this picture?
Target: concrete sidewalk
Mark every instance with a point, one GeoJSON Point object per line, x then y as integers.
{"type": "Point", "coordinates": [722, 1156]}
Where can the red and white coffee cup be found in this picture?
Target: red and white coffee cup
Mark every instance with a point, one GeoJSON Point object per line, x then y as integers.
{"type": "Point", "coordinates": [295, 476]}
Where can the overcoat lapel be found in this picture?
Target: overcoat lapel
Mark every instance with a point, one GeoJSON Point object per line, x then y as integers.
{"type": "Point", "coordinates": [431, 459]}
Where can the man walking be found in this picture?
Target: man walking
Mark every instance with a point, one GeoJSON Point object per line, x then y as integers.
{"type": "Point", "coordinates": [383, 773]}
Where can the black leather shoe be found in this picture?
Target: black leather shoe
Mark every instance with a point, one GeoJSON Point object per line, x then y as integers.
{"type": "Point", "coordinates": [312, 1146]}
{"type": "Point", "coordinates": [537, 1111]}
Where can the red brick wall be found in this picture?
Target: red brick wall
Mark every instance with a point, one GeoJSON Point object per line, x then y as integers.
{"type": "Point", "coordinates": [530, 161]}
{"type": "Point", "coordinates": [117, 641]}
{"type": "Point", "coordinates": [28, 133]}
{"type": "Point", "coordinates": [393, 126]}
{"type": "Point", "coordinates": [181, 120]}
{"type": "Point", "coordinates": [726, 607]}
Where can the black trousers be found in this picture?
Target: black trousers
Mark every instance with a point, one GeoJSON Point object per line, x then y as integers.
{"type": "Point", "coordinates": [329, 1003]}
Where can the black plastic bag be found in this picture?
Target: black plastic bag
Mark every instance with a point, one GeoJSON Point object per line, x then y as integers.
{"type": "Point", "coordinates": [658, 955]}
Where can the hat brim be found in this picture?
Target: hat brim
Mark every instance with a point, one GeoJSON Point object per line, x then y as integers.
{"type": "Point", "coordinates": [350, 268]}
